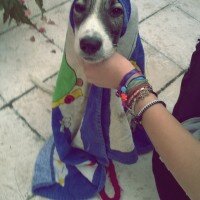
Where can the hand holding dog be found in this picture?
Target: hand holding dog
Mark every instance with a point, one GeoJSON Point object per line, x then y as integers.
{"type": "Point", "coordinates": [107, 73]}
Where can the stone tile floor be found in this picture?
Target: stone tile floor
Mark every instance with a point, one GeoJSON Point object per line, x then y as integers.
{"type": "Point", "coordinates": [169, 30]}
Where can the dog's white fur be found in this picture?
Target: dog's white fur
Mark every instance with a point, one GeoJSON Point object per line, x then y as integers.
{"type": "Point", "coordinates": [89, 27]}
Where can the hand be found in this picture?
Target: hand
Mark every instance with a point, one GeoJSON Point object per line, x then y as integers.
{"type": "Point", "coordinates": [108, 73]}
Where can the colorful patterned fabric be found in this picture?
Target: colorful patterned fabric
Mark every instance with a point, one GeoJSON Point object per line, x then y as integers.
{"type": "Point", "coordinates": [90, 126]}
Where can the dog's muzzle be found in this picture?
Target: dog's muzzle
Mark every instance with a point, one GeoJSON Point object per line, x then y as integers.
{"type": "Point", "coordinates": [90, 45]}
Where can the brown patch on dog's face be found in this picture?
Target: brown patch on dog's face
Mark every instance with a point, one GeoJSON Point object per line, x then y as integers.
{"type": "Point", "coordinates": [113, 15]}
{"type": "Point", "coordinates": [81, 11]}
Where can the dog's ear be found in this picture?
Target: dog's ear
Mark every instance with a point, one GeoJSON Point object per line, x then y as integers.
{"type": "Point", "coordinates": [127, 13]}
{"type": "Point", "coordinates": [71, 17]}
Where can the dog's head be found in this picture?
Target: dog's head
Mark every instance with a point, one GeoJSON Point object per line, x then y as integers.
{"type": "Point", "coordinates": [98, 25]}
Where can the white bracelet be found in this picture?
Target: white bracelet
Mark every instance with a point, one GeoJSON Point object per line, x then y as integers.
{"type": "Point", "coordinates": [138, 117]}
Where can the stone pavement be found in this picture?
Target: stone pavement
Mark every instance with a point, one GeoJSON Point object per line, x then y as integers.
{"type": "Point", "coordinates": [169, 30]}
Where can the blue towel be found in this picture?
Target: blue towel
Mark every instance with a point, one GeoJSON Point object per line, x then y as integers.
{"type": "Point", "coordinates": [90, 126]}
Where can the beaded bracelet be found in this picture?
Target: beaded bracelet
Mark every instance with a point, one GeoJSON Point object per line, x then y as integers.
{"type": "Point", "coordinates": [138, 118]}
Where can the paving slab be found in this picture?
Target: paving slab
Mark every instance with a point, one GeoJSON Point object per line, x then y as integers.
{"type": "Point", "coordinates": [146, 8]}
{"type": "Point", "coordinates": [137, 180]}
{"type": "Point", "coordinates": [5, 26]}
{"type": "Point", "coordinates": [60, 16]}
{"type": "Point", "coordinates": [1, 102]}
{"type": "Point", "coordinates": [192, 7]}
{"type": "Point", "coordinates": [20, 57]}
{"type": "Point", "coordinates": [19, 147]}
{"type": "Point", "coordinates": [35, 107]}
{"type": "Point", "coordinates": [48, 4]}
{"type": "Point", "coordinates": [159, 69]}
{"type": "Point", "coordinates": [170, 94]}
{"type": "Point", "coordinates": [172, 32]}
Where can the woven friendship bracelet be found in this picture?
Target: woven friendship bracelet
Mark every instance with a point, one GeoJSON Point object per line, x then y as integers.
{"type": "Point", "coordinates": [135, 77]}
{"type": "Point", "coordinates": [135, 84]}
{"type": "Point", "coordinates": [123, 83]}
{"type": "Point", "coordinates": [127, 76]}
{"type": "Point", "coordinates": [142, 92]}
{"type": "Point", "coordinates": [133, 87]}
{"type": "Point", "coordinates": [122, 90]}
{"type": "Point", "coordinates": [138, 117]}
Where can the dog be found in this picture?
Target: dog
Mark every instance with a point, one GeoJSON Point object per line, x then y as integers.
{"type": "Point", "coordinates": [98, 26]}
{"type": "Point", "coordinates": [87, 121]}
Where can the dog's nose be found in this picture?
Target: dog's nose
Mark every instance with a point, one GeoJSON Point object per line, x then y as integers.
{"type": "Point", "coordinates": [90, 45]}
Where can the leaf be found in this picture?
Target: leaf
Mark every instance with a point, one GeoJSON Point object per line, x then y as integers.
{"type": "Point", "coordinates": [18, 13]}
{"type": "Point", "coordinates": [5, 16]}
{"type": "Point", "coordinates": [13, 9]}
{"type": "Point", "coordinates": [17, 10]}
{"type": "Point", "coordinates": [40, 5]}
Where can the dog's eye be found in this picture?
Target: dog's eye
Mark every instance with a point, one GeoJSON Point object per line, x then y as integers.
{"type": "Point", "coordinates": [79, 7]}
{"type": "Point", "coordinates": [116, 11]}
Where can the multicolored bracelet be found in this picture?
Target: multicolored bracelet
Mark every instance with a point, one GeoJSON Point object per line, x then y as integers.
{"type": "Point", "coordinates": [128, 76]}
{"type": "Point", "coordinates": [139, 94]}
{"type": "Point", "coordinates": [133, 87]}
{"type": "Point", "coordinates": [123, 87]}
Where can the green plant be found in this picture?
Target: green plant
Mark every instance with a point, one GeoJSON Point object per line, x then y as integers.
{"type": "Point", "coordinates": [17, 10]}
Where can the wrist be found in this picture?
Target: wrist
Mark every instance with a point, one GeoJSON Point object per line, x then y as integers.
{"type": "Point", "coordinates": [122, 71]}
{"type": "Point", "coordinates": [140, 104]}
{"type": "Point", "coordinates": [137, 94]}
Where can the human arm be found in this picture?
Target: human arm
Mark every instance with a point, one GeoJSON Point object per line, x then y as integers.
{"type": "Point", "coordinates": [177, 148]}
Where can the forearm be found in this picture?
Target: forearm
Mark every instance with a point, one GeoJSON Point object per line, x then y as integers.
{"type": "Point", "coordinates": [178, 149]}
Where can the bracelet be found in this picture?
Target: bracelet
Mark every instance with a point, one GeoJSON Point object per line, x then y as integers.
{"type": "Point", "coordinates": [127, 76]}
{"type": "Point", "coordinates": [134, 84]}
{"type": "Point", "coordinates": [135, 77]}
{"type": "Point", "coordinates": [139, 94]}
{"type": "Point", "coordinates": [122, 90]}
{"type": "Point", "coordinates": [142, 93]}
{"type": "Point", "coordinates": [138, 117]}
{"type": "Point", "coordinates": [123, 84]}
{"type": "Point", "coordinates": [133, 87]}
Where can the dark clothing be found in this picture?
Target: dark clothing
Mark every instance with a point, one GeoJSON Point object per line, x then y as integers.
{"type": "Point", "coordinates": [187, 106]}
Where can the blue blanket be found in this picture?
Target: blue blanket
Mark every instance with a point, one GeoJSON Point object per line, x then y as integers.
{"type": "Point", "coordinates": [90, 127]}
